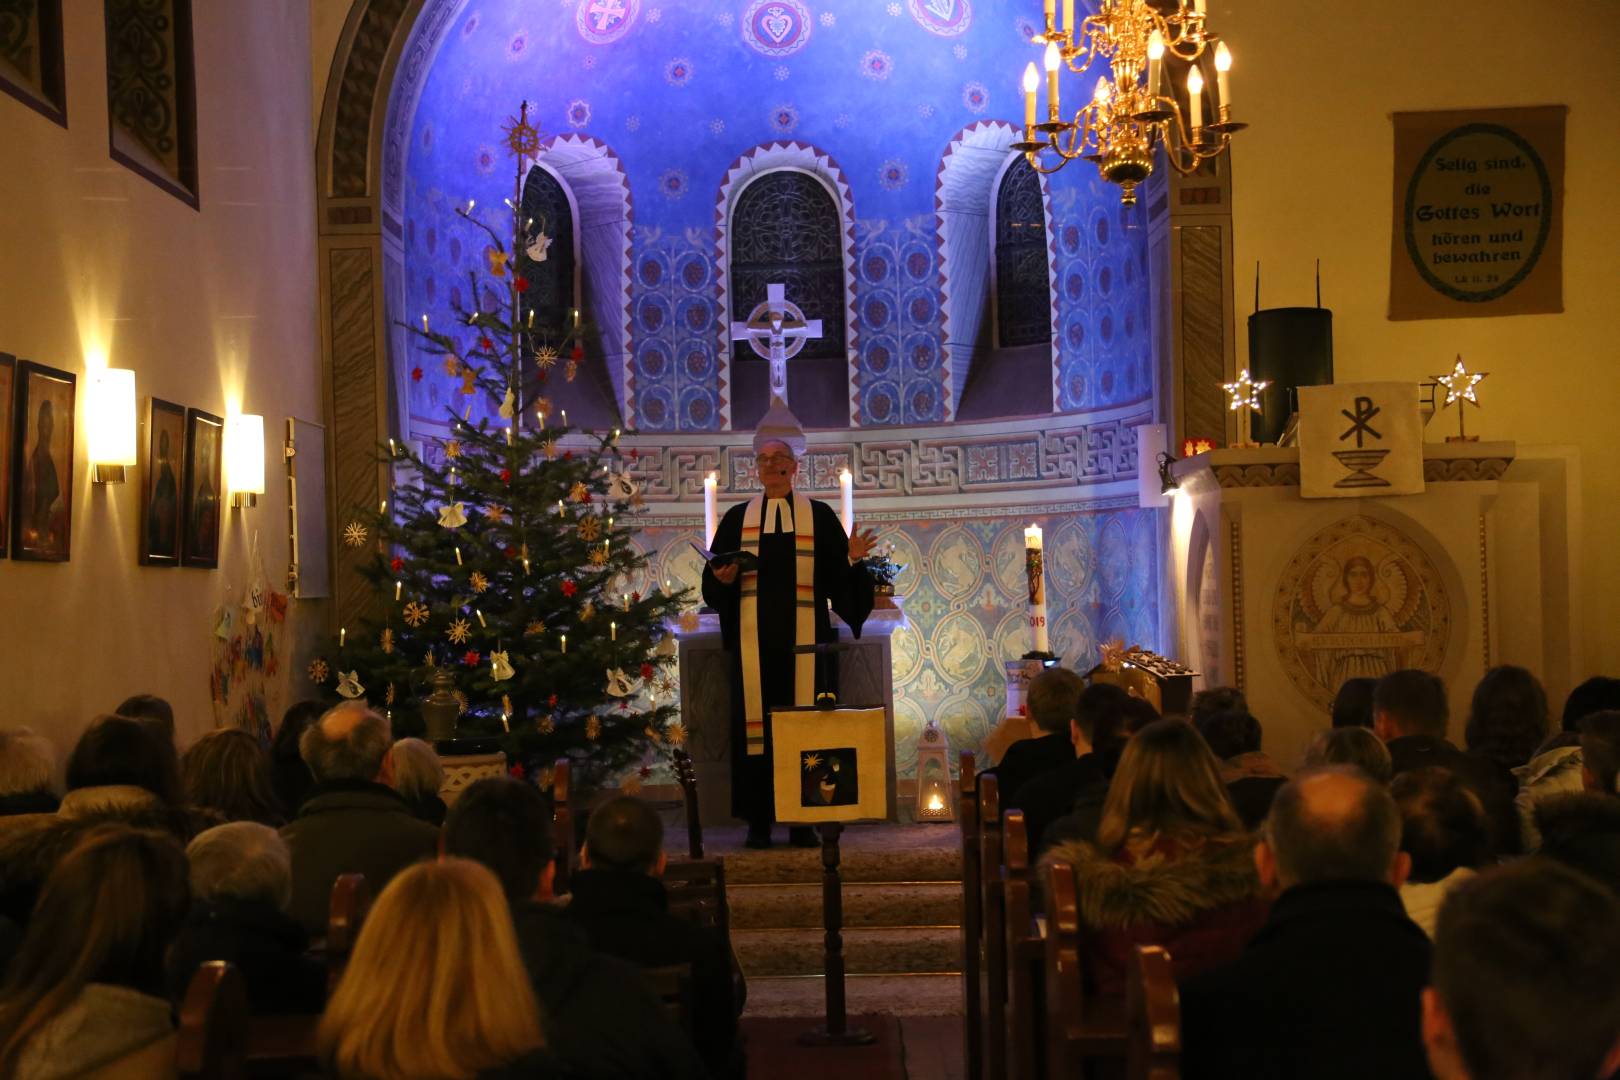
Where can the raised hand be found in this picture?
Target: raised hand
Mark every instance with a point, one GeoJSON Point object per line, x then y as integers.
{"type": "Point", "coordinates": [861, 544]}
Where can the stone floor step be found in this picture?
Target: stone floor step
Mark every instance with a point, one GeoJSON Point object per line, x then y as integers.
{"type": "Point", "coordinates": [867, 950]}
{"type": "Point", "coordinates": [869, 853]}
{"type": "Point", "coordinates": [917, 903]}
{"type": "Point", "coordinates": [893, 995]}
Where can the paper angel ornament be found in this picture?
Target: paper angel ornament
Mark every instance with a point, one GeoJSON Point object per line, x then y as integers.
{"type": "Point", "coordinates": [619, 684]}
{"type": "Point", "coordinates": [348, 684]}
{"type": "Point", "coordinates": [508, 404]}
{"type": "Point", "coordinates": [502, 667]}
{"type": "Point", "coordinates": [536, 251]}
{"type": "Point", "coordinates": [622, 486]}
{"type": "Point", "coordinates": [453, 515]}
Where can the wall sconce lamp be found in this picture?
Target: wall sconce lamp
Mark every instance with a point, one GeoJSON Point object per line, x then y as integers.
{"type": "Point", "coordinates": [1167, 481]}
{"type": "Point", "coordinates": [110, 413]}
{"type": "Point", "coordinates": [244, 459]}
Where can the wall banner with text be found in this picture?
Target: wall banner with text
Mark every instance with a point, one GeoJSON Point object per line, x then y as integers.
{"type": "Point", "coordinates": [1479, 213]}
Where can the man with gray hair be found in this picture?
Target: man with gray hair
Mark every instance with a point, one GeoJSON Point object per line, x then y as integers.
{"type": "Point", "coordinates": [241, 881]}
{"type": "Point", "coordinates": [352, 822]}
{"type": "Point", "coordinates": [1330, 986]}
{"type": "Point", "coordinates": [27, 773]}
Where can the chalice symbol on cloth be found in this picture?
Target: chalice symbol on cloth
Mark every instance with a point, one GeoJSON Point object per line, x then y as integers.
{"type": "Point", "coordinates": [1363, 459]}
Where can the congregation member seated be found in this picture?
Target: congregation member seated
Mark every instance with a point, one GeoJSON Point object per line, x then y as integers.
{"type": "Point", "coordinates": [1329, 987]}
{"type": "Point", "coordinates": [352, 821]}
{"type": "Point", "coordinates": [1216, 699]}
{"type": "Point", "coordinates": [1507, 717]}
{"type": "Point", "coordinates": [227, 772]}
{"type": "Point", "coordinates": [620, 902]}
{"type": "Point", "coordinates": [1409, 714]}
{"type": "Point", "coordinates": [1524, 978]}
{"type": "Point", "coordinates": [152, 711]}
{"type": "Point", "coordinates": [84, 996]}
{"type": "Point", "coordinates": [1252, 779]}
{"type": "Point", "coordinates": [435, 987]}
{"type": "Point", "coordinates": [1172, 865]}
{"type": "Point", "coordinates": [241, 881]}
{"type": "Point", "coordinates": [1583, 830]}
{"type": "Point", "coordinates": [288, 772]}
{"type": "Point", "coordinates": [27, 774]}
{"type": "Point", "coordinates": [1556, 767]}
{"type": "Point", "coordinates": [600, 1015]}
{"type": "Point", "coordinates": [1097, 737]}
{"type": "Point", "coordinates": [1356, 746]}
{"type": "Point", "coordinates": [1353, 704]}
{"type": "Point", "coordinates": [1053, 700]}
{"type": "Point", "coordinates": [121, 768]}
{"type": "Point", "coordinates": [1444, 834]}
{"type": "Point", "coordinates": [417, 774]}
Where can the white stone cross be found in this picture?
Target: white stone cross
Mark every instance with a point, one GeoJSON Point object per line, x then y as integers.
{"type": "Point", "coordinates": [776, 330]}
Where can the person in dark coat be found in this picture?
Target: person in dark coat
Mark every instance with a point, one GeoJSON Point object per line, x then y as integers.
{"type": "Point", "coordinates": [784, 532]}
{"type": "Point", "coordinates": [1096, 737]}
{"type": "Point", "coordinates": [1054, 703]}
{"type": "Point", "coordinates": [1524, 982]}
{"type": "Point", "coordinates": [417, 774]}
{"type": "Point", "coordinates": [1252, 779]}
{"type": "Point", "coordinates": [600, 1014]}
{"type": "Point", "coordinates": [1409, 714]}
{"type": "Point", "coordinates": [1330, 985]}
{"type": "Point", "coordinates": [352, 821]}
{"type": "Point", "coordinates": [1582, 830]}
{"type": "Point", "coordinates": [620, 902]}
{"type": "Point", "coordinates": [241, 881]}
{"type": "Point", "coordinates": [289, 774]}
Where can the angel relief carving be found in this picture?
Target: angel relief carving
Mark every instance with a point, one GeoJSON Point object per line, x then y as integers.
{"type": "Point", "coordinates": [1359, 599]}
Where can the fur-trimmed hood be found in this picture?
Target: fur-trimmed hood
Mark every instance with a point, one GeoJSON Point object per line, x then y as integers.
{"type": "Point", "coordinates": [1161, 888]}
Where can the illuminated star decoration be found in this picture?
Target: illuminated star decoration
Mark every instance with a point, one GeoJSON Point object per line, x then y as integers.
{"type": "Point", "coordinates": [1245, 393]}
{"type": "Point", "coordinates": [1460, 384]}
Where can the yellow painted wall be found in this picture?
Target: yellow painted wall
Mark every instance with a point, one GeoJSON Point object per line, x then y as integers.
{"type": "Point", "coordinates": [214, 309]}
{"type": "Point", "coordinates": [1312, 177]}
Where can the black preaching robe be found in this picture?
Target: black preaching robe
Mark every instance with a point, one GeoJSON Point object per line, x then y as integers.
{"type": "Point", "coordinates": [849, 588]}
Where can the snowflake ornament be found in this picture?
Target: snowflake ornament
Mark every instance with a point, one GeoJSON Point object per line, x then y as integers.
{"type": "Point", "coordinates": [354, 534]}
{"type": "Point", "coordinates": [675, 733]}
{"type": "Point", "coordinates": [545, 356]}
{"type": "Point", "coordinates": [599, 556]}
{"type": "Point", "coordinates": [579, 493]}
{"type": "Point", "coordinates": [452, 449]}
{"type": "Point", "coordinates": [534, 629]}
{"type": "Point", "coordinates": [478, 581]}
{"type": "Point", "coordinates": [348, 685]}
{"type": "Point", "coordinates": [318, 671]}
{"type": "Point", "coordinates": [494, 514]}
{"type": "Point", "coordinates": [460, 630]}
{"type": "Point", "coordinates": [590, 527]}
{"type": "Point", "coordinates": [416, 614]}
{"type": "Point", "coordinates": [545, 725]}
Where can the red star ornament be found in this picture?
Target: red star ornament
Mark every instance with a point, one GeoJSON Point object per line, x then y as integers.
{"type": "Point", "coordinates": [551, 701]}
{"type": "Point", "coordinates": [471, 658]}
{"type": "Point", "coordinates": [516, 769]}
{"type": "Point", "coordinates": [416, 374]}
{"type": "Point", "coordinates": [647, 671]}
{"type": "Point", "coordinates": [569, 588]}
{"type": "Point", "coordinates": [521, 284]}
{"type": "Point", "coordinates": [506, 476]}
{"type": "Point", "coordinates": [578, 352]}
{"type": "Point", "coordinates": [486, 344]}
{"type": "Point", "coordinates": [396, 564]}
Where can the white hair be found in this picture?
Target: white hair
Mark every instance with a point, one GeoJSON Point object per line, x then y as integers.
{"type": "Point", "coordinates": [417, 769]}
{"type": "Point", "coordinates": [27, 762]}
{"type": "Point", "coordinates": [241, 861]}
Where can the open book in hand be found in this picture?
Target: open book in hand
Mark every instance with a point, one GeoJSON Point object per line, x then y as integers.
{"type": "Point", "coordinates": [747, 560]}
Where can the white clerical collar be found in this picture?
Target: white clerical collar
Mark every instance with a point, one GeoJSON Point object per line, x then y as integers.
{"type": "Point", "coordinates": [778, 511]}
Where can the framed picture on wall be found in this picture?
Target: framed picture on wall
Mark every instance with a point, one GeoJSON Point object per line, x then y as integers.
{"type": "Point", "coordinates": [164, 459]}
{"type": "Point", "coordinates": [203, 489]}
{"type": "Point", "coordinates": [8, 378]}
{"type": "Point", "coordinates": [41, 523]}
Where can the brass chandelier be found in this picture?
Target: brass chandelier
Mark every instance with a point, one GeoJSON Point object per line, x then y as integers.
{"type": "Point", "coordinates": [1134, 107]}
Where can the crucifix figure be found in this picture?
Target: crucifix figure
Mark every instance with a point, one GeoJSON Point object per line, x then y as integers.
{"type": "Point", "coordinates": [776, 330]}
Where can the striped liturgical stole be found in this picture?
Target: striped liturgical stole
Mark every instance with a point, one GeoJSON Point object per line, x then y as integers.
{"type": "Point", "coordinates": [804, 616]}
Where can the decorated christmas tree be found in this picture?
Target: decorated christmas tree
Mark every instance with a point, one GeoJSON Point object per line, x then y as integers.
{"type": "Point", "coordinates": [502, 555]}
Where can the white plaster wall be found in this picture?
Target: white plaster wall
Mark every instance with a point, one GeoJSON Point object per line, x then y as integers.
{"type": "Point", "coordinates": [214, 309]}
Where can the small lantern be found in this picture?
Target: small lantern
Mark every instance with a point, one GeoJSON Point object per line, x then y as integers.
{"type": "Point", "coordinates": [933, 775]}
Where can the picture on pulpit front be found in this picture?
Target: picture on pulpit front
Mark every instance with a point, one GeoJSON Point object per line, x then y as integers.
{"type": "Point", "coordinates": [1360, 599]}
{"type": "Point", "coordinates": [830, 778]}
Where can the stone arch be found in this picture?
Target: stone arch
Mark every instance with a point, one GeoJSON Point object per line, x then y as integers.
{"type": "Point", "coordinates": [969, 174]}
{"type": "Point", "coordinates": [749, 165]}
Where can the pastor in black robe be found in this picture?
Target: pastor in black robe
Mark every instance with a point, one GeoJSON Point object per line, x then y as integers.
{"type": "Point", "coordinates": [846, 585]}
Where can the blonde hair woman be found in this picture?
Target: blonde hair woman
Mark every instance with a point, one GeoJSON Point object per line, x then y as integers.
{"type": "Point", "coordinates": [417, 774]}
{"type": "Point", "coordinates": [436, 988]}
{"type": "Point", "coordinates": [1171, 864]}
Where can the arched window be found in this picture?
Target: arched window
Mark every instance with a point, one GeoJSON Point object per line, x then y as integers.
{"type": "Point", "coordinates": [1023, 291]}
{"type": "Point", "coordinates": [551, 293]}
{"type": "Point", "coordinates": [786, 230]}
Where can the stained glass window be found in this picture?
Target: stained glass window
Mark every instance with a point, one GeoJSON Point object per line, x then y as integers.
{"type": "Point", "coordinates": [1023, 289]}
{"type": "Point", "coordinates": [786, 230]}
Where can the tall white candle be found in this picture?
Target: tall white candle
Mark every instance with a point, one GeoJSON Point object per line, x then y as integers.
{"type": "Point", "coordinates": [710, 510]}
{"type": "Point", "coordinates": [1032, 82]}
{"type": "Point", "coordinates": [1068, 15]}
{"type": "Point", "coordinates": [1195, 96]}
{"type": "Point", "coordinates": [846, 494]}
{"type": "Point", "coordinates": [1035, 574]}
{"type": "Point", "coordinates": [1223, 76]}
{"type": "Point", "coordinates": [1155, 55]}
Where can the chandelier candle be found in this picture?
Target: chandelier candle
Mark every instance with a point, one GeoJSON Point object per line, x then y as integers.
{"type": "Point", "coordinates": [1223, 76]}
{"type": "Point", "coordinates": [1035, 573]}
{"type": "Point", "coordinates": [1195, 99]}
{"type": "Point", "coordinates": [1032, 83]}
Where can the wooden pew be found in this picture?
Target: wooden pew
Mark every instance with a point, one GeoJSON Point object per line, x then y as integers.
{"type": "Point", "coordinates": [1152, 1016]}
{"type": "Point", "coordinates": [211, 1043]}
{"type": "Point", "coordinates": [697, 892]}
{"type": "Point", "coordinates": [993, 939]}
{"type": "Point", "coordinates": [562, 824]}
{"type": "Point", "coordinates": [346, 913]}
{"type": "Point", "coordinates": [687, 775]}
{"type": "Point", "coordinates": [1025, 953]}
{"type": "Point", "coordinates": [1077, 1026]}
{"type": "Point", "coordinates": [967, 800]}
